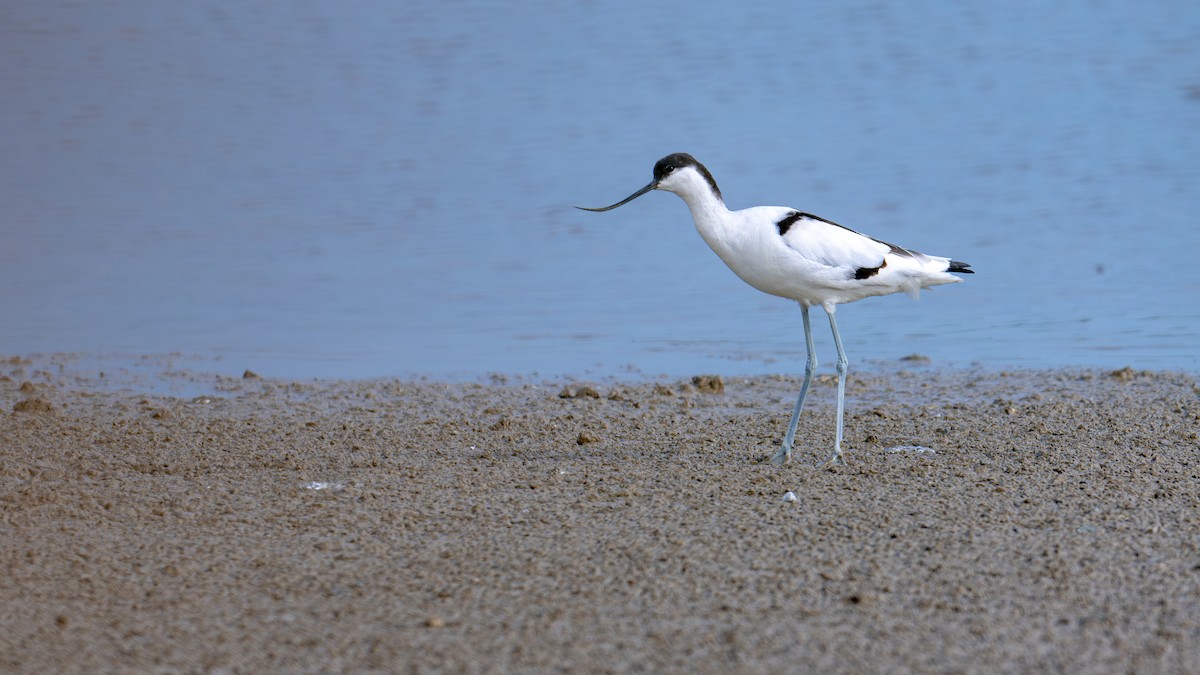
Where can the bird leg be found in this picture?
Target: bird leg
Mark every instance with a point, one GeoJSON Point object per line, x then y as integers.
{"type": "Point", "coordinates": [842, 364]}
{"type": "Point", "coordinates": [810, 365]}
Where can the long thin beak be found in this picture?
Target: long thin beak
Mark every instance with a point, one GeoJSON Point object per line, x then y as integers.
{"type": "Point", "coordinates": [639, 193]}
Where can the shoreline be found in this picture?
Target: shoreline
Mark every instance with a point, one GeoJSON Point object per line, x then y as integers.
{"type": "Point", "coordinates": [605, 525]}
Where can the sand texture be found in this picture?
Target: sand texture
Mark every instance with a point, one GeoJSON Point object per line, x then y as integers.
{"type": "Point", "coordinates": [1044, 521]}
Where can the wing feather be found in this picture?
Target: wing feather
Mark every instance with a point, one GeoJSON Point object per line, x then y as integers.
{"type": "Point", "coordinates": [825, 242]}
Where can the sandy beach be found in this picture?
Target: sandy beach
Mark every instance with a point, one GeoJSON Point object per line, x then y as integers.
{"type": "Point", "coordinates": [987, 521]}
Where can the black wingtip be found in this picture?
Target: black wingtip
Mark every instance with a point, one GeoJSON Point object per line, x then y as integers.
{"type": "Point", "coordinates": [960, 267]}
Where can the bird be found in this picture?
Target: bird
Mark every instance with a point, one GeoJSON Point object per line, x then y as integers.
{"type": "Point", "coordinates": [796, 255]}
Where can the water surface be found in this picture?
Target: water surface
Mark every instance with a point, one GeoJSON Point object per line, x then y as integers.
{"type": "Point", "coordinates": [373, 189]}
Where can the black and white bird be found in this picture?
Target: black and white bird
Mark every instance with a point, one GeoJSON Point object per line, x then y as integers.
{"type": "Point", "coordinates": [793, 254]}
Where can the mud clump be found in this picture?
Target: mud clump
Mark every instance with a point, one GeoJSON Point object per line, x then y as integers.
{"type": "Point", "coordinates": [586, 437]}
{"type": "Point", "coordinates": [709, 384]}
{"type": "Point", "coordinates": [34, 404]}
{"type": "Point", "coordinates": [582, 391]}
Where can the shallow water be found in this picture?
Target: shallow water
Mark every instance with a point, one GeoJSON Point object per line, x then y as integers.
{"type": "Point", "coordinates": [352, 191]}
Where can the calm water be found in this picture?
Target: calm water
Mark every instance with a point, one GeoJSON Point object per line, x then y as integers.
{"type": "Point", "coordinates": [376, 189]}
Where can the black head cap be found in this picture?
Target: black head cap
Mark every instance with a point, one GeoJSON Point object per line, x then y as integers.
{"type": "Point", "coordinates": [673, 162]}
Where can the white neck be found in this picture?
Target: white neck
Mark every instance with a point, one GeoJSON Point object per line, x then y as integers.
{"type": "Point", "coordinates": [708, 209]}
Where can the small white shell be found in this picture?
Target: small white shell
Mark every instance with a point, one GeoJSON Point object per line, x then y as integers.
{"type": "Point", "coordinates": [323, 485]}
{"type": "Point", "coordinates": [919, 449]}
{"type": "Point", "coordinates": [789, 496]}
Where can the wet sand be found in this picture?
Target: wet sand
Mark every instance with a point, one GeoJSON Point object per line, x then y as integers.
{"type": "Point", "coordinates": [1045, 521]}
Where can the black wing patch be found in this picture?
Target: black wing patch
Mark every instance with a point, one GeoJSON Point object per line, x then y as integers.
{"type": "Point", "coordinates": [787, 222]}
{"type": "Point", "coordinates": [868, 272]}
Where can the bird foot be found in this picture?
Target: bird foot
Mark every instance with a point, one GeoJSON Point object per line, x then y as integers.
{"type": "Point", "coordinates": [783, 455]}
{"type": "Point", "coordinates": [836, 460]}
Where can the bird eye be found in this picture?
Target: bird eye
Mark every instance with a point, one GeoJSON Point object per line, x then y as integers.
{"type": "Point", "coordinates": [668, 168]}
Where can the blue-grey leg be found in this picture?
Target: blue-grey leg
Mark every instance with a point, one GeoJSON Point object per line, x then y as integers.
{"type": "Point", "coordinates": [841, 371]}
{"type": "Point", "coordinates": [810, 365]}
